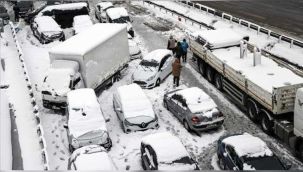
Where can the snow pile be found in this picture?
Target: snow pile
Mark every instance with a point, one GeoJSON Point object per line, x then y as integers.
{"type": "Point", "coordinates": [157, 55]}
{"type": "Point", "coordinates": [69, 6]}
{"type": "Point", "coordinates": [117, 12]}
{"type": "Point", "coordinates": [83, 42]}
{"type": "Point", "coordinates": [248, 167]}
{"type": "Point", "coordinates": [167, 146]}
{"type": "Point", "coordinates": [267, 75]}
{"type": "Point", "coordinates": [84, 112]}
{"type": "Point", "coordinates": [134, 102]}
{"type": "Point", "coordinates": [81, 23]}
{"type": "Point", "coordinates": [248, 145]}
{"type": "Point", "coordinates": [92, 157]}
{"type": "Point", "coordinates": [47, 24]}
{"type": "Point", "coordinates": [197, 100]}
{"type": "Point", "coordinates": [220, 38]}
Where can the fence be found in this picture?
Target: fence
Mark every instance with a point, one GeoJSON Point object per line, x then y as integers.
{"type": "Point", "coordinates": [36, 113]}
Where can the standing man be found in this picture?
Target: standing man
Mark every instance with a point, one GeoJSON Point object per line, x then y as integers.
{"type": "Point", "coordinates": [171, 44]}
{"type": "Point", "coordinates": [176, 71]}
{"type": "Point", "coordinates": [16, 11]}
{"type": "Point", "coordinates": [184, 46]}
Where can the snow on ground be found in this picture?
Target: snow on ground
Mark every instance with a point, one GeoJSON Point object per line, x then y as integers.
{"type": "Point", "coordinates": [281, 49]}
{"type": "Point", "coordinates": [19, 96]}
{"type": "Point", "coordinates": [5, 123]}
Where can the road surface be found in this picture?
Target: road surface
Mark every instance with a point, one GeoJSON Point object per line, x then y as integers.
{"type": "Point", "coordinates": [278, 15]}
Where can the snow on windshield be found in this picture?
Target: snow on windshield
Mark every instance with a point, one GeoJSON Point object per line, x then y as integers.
{"type": "Point", "coordinates": [58, 81]}
{"type": "Point", "coordinates": [47, 24]}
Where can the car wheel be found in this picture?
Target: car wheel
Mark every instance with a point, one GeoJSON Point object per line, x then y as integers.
{"type": "Point", "coordinates": [71, 148]}
{"type": "Point", "coordinates": [143, 165]}
{"type": "Point", "coordinates": [165, 105]}
{"type": "Point", "coordinates": [266, 124]}
{"type": "Point", "coordinates": [158, 82]}
{"type": "Point", "coordinates": [221, 164]}
{"type": "Point", "coordinates": [300, 151]}
{"type": "Point", "coordinates": [186, 126]}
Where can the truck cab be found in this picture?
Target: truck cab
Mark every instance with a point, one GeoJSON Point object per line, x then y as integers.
{"type": "Point", "coordinates": [298, 114]}
{"type": "Point", "coordinates": [62, 77]}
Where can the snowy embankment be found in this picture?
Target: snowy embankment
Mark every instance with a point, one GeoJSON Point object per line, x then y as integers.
{"type": "Point", "coordinates": [5, 127]}
{"type": "Point", "coordinates": [291, 53]}
{"type": "Point", "coordinates": [19, 97]}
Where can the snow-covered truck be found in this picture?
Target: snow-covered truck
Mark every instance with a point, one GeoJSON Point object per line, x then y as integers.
{"type": "Point", "coordinates": [91, 59]}
{"type": "Point", "coordinates": [271, 94]}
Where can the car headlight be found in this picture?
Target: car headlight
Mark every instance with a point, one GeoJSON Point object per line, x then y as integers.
{"type": "Point", "coordinates": [151, 78]}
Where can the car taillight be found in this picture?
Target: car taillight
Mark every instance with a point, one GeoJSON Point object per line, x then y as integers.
{"type": "Point", "coordinates": [195, 119]}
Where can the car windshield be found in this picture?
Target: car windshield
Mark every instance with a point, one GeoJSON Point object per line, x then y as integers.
{"type": "Point", "coordinates": [264, 163]}
{"type": "Point", "coordinates": [122, 20]}
{"type": "Point", "coordinates": [147, 63]}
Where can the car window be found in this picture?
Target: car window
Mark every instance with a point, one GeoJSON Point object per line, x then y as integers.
{"type": "Point", "coordinates": [76, 81]}
{"type": "Point", "coordinates": [180, 100]}
{"type": "Point", "coordinates": [233, 155]}
{"type": "Point", "coordinates": [163, 61]}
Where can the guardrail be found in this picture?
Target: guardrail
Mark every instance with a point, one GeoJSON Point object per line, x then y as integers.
{"type": "Point", "coordinates": [36, 114]}
{"type": "Point", "coordinates": [246, 23]}
{"type": "Point", "coordinates": [282, 61]}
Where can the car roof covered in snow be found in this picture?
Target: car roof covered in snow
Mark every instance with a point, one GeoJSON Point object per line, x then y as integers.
{"type": "Point", "coordinates": [105, 5]}
{"type": "Point", "coordinates": [84, 112]}
{"type": "Point", "coordinates": [220, 38]}
{"type": "Point", "coordinates": [47, 24]}
{"type": "Point", "coordinates": [83, 42]}
{"type": "Point", "coordinates": [168, 147]}
{"type": "Point", "coordinates": [134, 101]}
{"type": "Point", "coordinates": [92, 157]}
{"type": "Point", "coordinates": [196, 99]}
{"type": "Point", "coordinates": [68, 6]}
{"type": "Point", "coordinates": [157, 55]}
{"type": "Point", "coordinates": [247, 145]}
{"type": "Point", "coordinates": [117, 12]}
{"type": "Point", "coordinates": [81, 23]}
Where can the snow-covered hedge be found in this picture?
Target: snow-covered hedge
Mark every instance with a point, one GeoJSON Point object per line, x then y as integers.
{"type": "Point", "coordinates": [36, 114]}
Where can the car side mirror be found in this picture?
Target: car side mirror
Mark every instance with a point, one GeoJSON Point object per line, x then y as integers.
{"type": "Point", "coordinates": [65, 126]}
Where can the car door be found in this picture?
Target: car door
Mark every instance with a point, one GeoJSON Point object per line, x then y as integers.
{"type": "Point", "coordinates": [167, 67]}
{"type": "Point", "coordinates": [178, 108]}
{"type": "Point", "coordinates": [230, 158]}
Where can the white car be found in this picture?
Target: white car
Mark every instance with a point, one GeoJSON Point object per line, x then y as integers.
{"type": "Point", "coordinates": [100, 10]}
{"type": "Point", "coordinates": [120, 15]}
{"type": "Point", "coordinates": [153, 68]}
{"type": "Point", "coordinates": [81, 23]}
{"type": "Point", "coordinates": [91, 157]}
{"type": "Point", "coordinates": [164, 151]}
{"type": "Point", "coordinates": [134, 50]}
{"type": "Point", "coordinates": [85, 121]}
{"type": "Point", "coordinates": [134, 109]}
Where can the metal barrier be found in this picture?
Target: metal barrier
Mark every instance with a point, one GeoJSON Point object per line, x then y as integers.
{"type": "Point", "coordinates": [40, 131]}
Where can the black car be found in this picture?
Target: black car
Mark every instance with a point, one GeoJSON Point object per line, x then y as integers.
{"type": "Point", "coordinates": [3, 13]}
{"type": "Point", "coordinates": [24, 7]}
{"type": "Point", "coordinates": [246, 152]}
{"type": "Point", "coordinates": [46, 30]}
{"type": "Point", "coordinates": [163, 151]}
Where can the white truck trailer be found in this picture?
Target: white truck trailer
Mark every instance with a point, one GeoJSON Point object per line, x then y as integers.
{"type": "Point", "coordinates": [271, 94]}
{"type": "Point", "coordinates": [91, 59]}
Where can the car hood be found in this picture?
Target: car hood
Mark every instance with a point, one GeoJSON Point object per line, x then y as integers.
{"type": "Point", "coordinates": [142, 73]}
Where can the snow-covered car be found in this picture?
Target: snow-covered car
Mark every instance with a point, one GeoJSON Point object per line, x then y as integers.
{"type": "Point", "coordinates": [62, 77]}
{"type": "Point", "coordinates": [100, 10]}
{"type": "Point", "coordinates": [81, 23]}
{"type": "Point", "coordinates": [246, 152]}
{"type": "Point", "coordinates": [3, 13]}
{"type": "Point", "coordinates": [164, 151]}
{"type": "Point", "coordinates": [134, 109]}
{"type": "Point", "coordinates": [46, 30]}
{"type": "Point", "coordinates": [153, 69]}
{"type": "Point", "coordinates": [91, 157]}
{"type": "Point", "coordinates": [134, 50]}
{"type": "Point", "coordinates": [194, 108]}
{"type": "Point", "coordinates": [119, 15]}
{"type": "Point", "coordinates": [85, 122]}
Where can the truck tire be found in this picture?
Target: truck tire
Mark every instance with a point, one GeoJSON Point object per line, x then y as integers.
{"type": "Point", "coordinates": [202, 67]}
{"type": "Point", "coordinates": [300, 151]}
{"type": "Point", "coordinates": [218, 81]}
{"type": "Point", "coordinates": [252, 110]}
{"type": "Point", "coordinates": [210, 74]}
{"type": "Point", "coordinates": [266, 123]}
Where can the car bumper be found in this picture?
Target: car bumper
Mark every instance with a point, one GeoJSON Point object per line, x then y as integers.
{"type": "Point", "coordinates": [208, 125]}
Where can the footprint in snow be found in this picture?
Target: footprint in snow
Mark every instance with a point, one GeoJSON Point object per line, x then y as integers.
{"type": "Point", "coordinates": [57, 135]}
{"type": "Point", "coordinates": [55, 153]}
{"type": "Point", "coordinates": [57, 146]}
{"type": "Point", "coordinates": [53, 131]}
{"type": "Point", "coordinates": [125, 160]}
{"type": "Point", "coordinates": [62, 152]}
{"type": "Point", "coordinates": [57, 168]}
{"type": "Point", "coordinates": [62, 159]}
{"type": "Point", "coordinates": [53, 142]}
{"type": "Point", "coordinates": [127, 167]}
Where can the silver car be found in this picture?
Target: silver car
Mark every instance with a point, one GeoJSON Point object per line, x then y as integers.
{"type": "Point", "coordinates": [194, 108]}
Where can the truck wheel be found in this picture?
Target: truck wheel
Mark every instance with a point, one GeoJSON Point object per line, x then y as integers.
{"type": "Point", "coordinates": [210, 74]}
{"type": "Point", "coordinates": [218, 81]}
{"type": "Point", "coordinates": [201, 66]}
{"type": "Point", "coordinates": [266, 124]}
{"type": "Point", "coordinates": [300, 153]}
{"type": "Point", "coordinates": [252, 110]}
